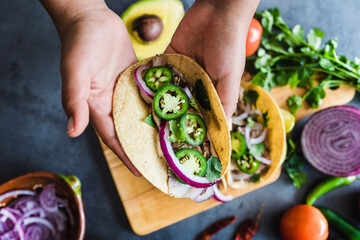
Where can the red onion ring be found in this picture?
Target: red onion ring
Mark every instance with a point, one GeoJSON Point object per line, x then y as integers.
{"type": "Point", "coordinates": [238, 120]}
{"type": "Point", "coordinates": [260, 139]}
{"type": "Point", "coordinates": [175, 165]}
{"type": "Point", "coordinates": [221, 197]}
{"type": "Point", "coordinates": [42, 221]}
{"type": "Point", "coordinates": [15, 193]}
{"type": "Point", "coordinates": [331, 141]}
{"type": "Point", "coordinates": [263, 160]}
{"type": "Point", "coordinates": [145, 91]}
{"type": "Point", "coordinates": [247, 136]}
{"type": "Point", "coordinates": [206, 195]}
{"type": "Point", "coordinates": [188, 93]}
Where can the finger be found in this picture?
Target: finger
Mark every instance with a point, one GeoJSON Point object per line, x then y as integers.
{"type": "Point", "coordinates": [228, 90]}
{"type": "Point", "coordinates": [104, 125]}
{"type": "Point", "coordinates": [75, 93]}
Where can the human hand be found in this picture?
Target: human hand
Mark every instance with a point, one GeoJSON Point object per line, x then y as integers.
{"type": "Point", "coordinates": [213, 32]}
{"type": "Point", "coordinates": [96, 48]}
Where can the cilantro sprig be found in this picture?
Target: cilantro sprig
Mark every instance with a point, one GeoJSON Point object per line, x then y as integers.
{"type": "Point", "coordinates": [287, 57]}
{"type": "Point", "coordinates": [214, 169]}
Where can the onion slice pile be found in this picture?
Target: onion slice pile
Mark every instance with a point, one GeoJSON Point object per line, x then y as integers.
{"type": "Point", "coordinates": [331, 141]}
{"type": "Point", "coordinates": [175, 165]}
{"type": "Point", "coordinates": [34, 215]}
{"type": "Point", "coordinates": [146, 93]}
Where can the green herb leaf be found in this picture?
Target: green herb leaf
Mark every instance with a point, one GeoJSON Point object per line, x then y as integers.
{"type": "Point", "coordinates": [214, 169]}
{"type": "Point", "coordinates": [294, 164]}
{"type": "Point", "coordinates": [149, 120]}
{"type": "Point", "coordinates": [201, 95]}
{"type": "Point", "coordinates": [327, 64]}
{"type": "Point", "coordinates": [250, 122]}
{"type": "Point", "coordinates": [299, 179]}
{"type": "Point", "coordinates": [298, 31]}
{"type": "Point", "coordinates": [194, 103]}
{"type": "Point", "coordinates": [294, 103]}
{"type": "Point", "coordinates": [257, 150]}
{"type": "Point", "coordinates": [282, 78]}
{"type": "Point", "coordinates": [315, 96]}
{"type": "Point", "coordinates": [294, 80]}
{"type": "Point", "coordinates": [176, 132]}
{"type": "Point", "coordinates": [266, 119]}
{"type": "Point", "coordinates": [251, 97]}
{"type": "Point", "coordinates": [314, 37]}
{"type": "Point", "coordinates": [255, 178]}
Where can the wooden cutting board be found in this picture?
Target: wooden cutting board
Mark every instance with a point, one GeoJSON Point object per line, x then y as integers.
{"type": "Point", "coordinates": [148, 209]}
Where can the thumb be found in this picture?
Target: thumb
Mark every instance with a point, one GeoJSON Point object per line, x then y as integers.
{"type": "Point", "coordinates": [228, 90]}
{"type": "Point", "coordinates": [75, 95]}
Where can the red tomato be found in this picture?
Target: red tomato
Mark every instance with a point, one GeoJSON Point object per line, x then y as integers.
{"type": "Point", "coordinates": [304, 222]}
{"type": "Point", "coordinates": [254, 37]}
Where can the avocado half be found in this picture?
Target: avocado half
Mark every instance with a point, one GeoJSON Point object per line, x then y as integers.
{"type": "Point", "coordinates": [169, 11]}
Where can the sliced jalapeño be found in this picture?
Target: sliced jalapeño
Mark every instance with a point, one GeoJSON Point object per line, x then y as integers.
{"type": "Point", "coordinates": [158, 76]}
{"type": "Point", "coordinates": [238, 145]}
{"type": "Point", "coordinates": [170, 102]}
{"type": "Point", "coordinates": [248, 164]}
{"type": "Point", "coordinates": [193, 161]}
{"type": "Point", "coordinates": [194, 128]}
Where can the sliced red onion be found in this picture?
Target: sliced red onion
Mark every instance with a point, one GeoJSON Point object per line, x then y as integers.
{"type": "Point", "coordinates": [175, 165]}
{"type": "Point", "coordinates": [206, 195]}
{"type": "Point", "coordinates": [196, 193]}
{"type": "Point", "coordinates": [42, 221]}
{"type": "Point", "coordinates": [260, 139]}
{"type": "Point", "coordinates": [8, 215]}
{"type": "Point", "coordinates": [48, 198]}
{"type": "Point", "coordinates": [263, 160]}
{"type": "Point", "coordinates": [239, 120]}
{"type": "Point", "coordinates": [256, 111]}
{"type": "Point", "coordinates": [37, 232]}
{"type": "Point", "coordinates": [10, 235]}
{"type": "Point", "coordinates": [16, 193]}
{"type": "Point", "coordinates": [221, 197]}
{"type": "Point", "coordinates": [145, 91]}
{"type": "Point", "coordinates": [331, 141]}
{"type": "Point", "coordinates": [188, 93]}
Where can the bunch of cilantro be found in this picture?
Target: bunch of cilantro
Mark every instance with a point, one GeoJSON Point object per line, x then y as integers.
{"type": "Point", "coordinates": [285, 57]}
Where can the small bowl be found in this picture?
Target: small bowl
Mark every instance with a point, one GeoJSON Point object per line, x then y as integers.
{"type": "Point", "coordinates": [66, 186]}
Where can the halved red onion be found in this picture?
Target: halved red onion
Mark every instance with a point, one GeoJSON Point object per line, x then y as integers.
{"type": "Point", "coordinates": [221, 197]}
{"type": "Point", "coordinates": [260, 139]}
{"type": "Point", "coordinates": [263, 160]}
{"type": "Point", "coordinates": [15, 193]}
{"type": "Point", "coordinates": [175, 165]}
{"type": "Point", "coordinates": [206, 195]}
{"type": "Point", "coordinates": [331, 141]}
{"type": "Point", "coordinates": [145, 91]}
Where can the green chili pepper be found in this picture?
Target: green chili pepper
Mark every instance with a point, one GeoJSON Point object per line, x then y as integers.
{"type": "Point", "coordinates": [193, 161]}
{"type": "Point", "coordinates": [326, 186]}
{"type": "Point", "coordinates": [194, 128]}
{"type": "Point", "coordinates": [340, 224]}
{"type": "Point", "coordinates": [238, 145]}
{"type": "Point", "coordinates": [170, 102]}
{"type": "Point", "coordinates": [158, 76]}
{"type": "Point", "coordinates": [248, 164]}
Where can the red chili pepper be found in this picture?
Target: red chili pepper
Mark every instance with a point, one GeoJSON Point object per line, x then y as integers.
{"type": "Point", "coordinates": [216, 227]}
{"type": "Point", "coordinates": [249, 227]}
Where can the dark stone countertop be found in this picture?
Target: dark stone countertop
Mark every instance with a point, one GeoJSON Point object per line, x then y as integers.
{"type": "Point", "coordinates": [33, 125]}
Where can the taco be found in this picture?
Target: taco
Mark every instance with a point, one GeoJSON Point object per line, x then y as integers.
{"type": "Point", "coordinates": [171, 125]}
{"type": "Point", "coordinates": [258, 138]}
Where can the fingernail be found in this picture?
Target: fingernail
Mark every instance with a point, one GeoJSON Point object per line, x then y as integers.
{"type": "Point", "coordinates": [70, 126]}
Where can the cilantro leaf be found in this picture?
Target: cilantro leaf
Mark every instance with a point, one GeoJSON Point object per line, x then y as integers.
{"type": "Point", "coordinates": [314, 37]}
{"type": "Point", "coordinates": [176, 132]}
{"type": "Point", "coordinates": [255, 178]}
{"type": "Point", "coordinates": [149, 120]}
{"type": "Point", "coordinates": [327, 64]}
{"type": "Point", "coordinates": [250, 122]}
{"type": "Point", "coordinates": [214, 169]}
{"type": "Point", "coordinates": [251, 97]}
{"type": "Point", "coordinates": [315, 96]}
{"type": "Point", "coordinates": [257, 150]}
{"type": "Point", "coordinates": [293, 166]}
{"type": "Point", "coordinates": [194, 103]}
{"type": "Point", "coordinates": [294, 103]}
{"type": "Point", "coordinates": [266, 119]}
{"type": "Point", "coordinates": [298, 31]}
{"type": "Point", "coordinates": [294, 80]}
{"type": "Point", "coordinates": [299, 179]}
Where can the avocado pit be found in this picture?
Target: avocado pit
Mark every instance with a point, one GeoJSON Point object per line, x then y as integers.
{"type": "Point", "coordinates": [147, 27]}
